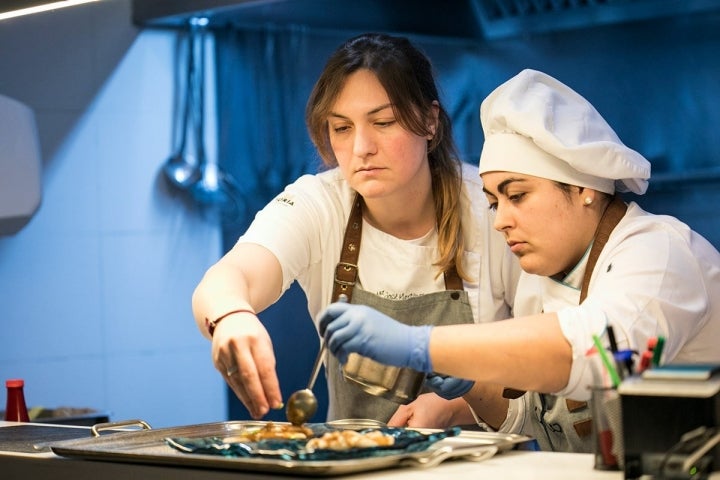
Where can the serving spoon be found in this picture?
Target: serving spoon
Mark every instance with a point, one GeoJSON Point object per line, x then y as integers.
{"type": "Point", "coordinates": [303, 404]}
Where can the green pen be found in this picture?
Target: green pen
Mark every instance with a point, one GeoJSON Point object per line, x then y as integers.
{"type": "Point", "coordinates": [614, 377]}
{"type": "Point", "coordinates": [657, 351]}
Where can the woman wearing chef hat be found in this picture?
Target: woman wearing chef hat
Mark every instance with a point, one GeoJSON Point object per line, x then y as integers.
{"type": "Point", "coordinates": [397, 222]}
{"type": "Point", "coordinates": [551, 168]}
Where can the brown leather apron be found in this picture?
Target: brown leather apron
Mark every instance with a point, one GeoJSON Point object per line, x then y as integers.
{"type": "Point", "coordinates": [558, 423]}
{"type": "Point", "coordinates": [438, 308]}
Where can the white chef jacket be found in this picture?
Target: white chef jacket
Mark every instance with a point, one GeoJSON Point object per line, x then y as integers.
{"type": "Point", "coordinates": [654, 277]}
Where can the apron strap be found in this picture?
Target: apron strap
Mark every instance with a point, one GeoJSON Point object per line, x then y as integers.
{"type": "Point", "coordinates": [452, 279]}
{"type": "Point", "coordinates": [346, 271]}
{"type": "Point", "coordinates": [612, 216]}
{"type": "Point", "coordinates": [614, 212]}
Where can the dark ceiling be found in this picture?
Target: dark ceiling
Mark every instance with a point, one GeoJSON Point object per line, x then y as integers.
{"type": "Point", "coordinates": [475, 19]}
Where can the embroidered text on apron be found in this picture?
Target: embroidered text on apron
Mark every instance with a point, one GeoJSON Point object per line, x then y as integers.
{"type": "Point", "coordinates": [438, 308]}
{"type": "Point", "coordinates": [552, 417]}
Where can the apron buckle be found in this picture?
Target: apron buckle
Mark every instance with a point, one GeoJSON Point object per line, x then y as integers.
{"type": "Point", "coordinates": [346, 273]}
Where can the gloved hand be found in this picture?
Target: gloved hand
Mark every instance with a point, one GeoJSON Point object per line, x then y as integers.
{"type": "Point", "coordinates": [448, 387]}
{"type": "Point", "coordinates": [360, 329]}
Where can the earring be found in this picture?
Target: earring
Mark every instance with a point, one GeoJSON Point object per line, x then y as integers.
{"type": "Point", "coordinates": [588, 200]}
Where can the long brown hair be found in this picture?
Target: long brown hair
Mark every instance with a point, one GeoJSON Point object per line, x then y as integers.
{"type": "Point", "coordinates": [407, 76]}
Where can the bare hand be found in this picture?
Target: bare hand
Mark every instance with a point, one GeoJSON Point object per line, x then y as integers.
{"type": "Point", "coordinates": [427, 411]}
{"type": "Point", "coordinates": [242, 352]}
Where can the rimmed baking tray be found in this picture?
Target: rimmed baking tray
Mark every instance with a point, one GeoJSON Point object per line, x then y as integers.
{"type": "Point", "coordinates": [149, 446]}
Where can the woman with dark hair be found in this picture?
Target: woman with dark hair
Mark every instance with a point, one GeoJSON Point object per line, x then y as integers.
{"type": "Point", "coordinates": [396, 222]}
{"type": "Point", "coordinates": [552, 168]}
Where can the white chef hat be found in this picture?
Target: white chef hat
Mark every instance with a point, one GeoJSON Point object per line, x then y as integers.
{"type": "Point", "coordinates": [536, 125]}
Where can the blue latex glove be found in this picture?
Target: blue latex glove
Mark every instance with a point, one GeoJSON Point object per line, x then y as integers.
{"type": "Point", "coordinates": [360, 329]}
{"type": "Point", "coordinates": [448, 387]}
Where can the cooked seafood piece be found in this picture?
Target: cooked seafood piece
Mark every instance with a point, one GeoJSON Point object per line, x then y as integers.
{"type": "Point", "coordinates": [347, 439]}
{"type": "Point", "coordinates": [271, 431]}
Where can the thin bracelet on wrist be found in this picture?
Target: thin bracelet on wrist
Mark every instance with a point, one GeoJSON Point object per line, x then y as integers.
{"type": "Point", "coordinates": [212, 324]}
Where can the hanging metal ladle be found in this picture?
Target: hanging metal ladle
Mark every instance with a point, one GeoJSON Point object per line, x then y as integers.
{"type": "Point", "coordinates": [302, 404]}
{"type": "Point", "coordinates": [180, 169]}
{"type": "Point", "coordinates": [214, 186]}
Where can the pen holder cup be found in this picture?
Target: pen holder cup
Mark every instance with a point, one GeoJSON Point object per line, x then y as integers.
{"type": "Point", "coordinates": [607, 428]}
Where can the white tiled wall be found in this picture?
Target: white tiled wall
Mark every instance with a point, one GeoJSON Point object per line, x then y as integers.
{"type": "Point", "coordinates": [95, 290]}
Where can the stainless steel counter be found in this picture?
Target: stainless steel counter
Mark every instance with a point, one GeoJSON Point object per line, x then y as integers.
{"type": "Point", "coordinates": [521, 465]}
{"type": "Point", "coordinates": [508, 465]}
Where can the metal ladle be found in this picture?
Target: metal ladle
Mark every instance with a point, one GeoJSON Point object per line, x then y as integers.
{"type": "Point", "coordinates": [179, 169]}
{"type": "Point", "coordinates": [214, 187]}
{"type": "Point", "coordinates": [302, 404]}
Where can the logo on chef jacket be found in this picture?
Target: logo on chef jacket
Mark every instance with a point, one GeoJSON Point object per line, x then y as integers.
{"type": "Point", "coordinates": [285, 200]}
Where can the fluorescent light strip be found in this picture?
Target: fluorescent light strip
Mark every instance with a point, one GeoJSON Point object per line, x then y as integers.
{"type": "Point", "coordinates": [43, 8]}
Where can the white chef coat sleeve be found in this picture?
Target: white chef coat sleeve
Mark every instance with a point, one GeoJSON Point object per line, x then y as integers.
{"type": "Point", "coordinates": [578, 326]}
{"type": "Point", "coordinates": [298, 224]}
{"type": "Point", "coordinates": [646, 283]}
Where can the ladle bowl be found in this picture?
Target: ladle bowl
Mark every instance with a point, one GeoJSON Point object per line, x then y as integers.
{"type": "Point", "coordinates": [301, 406]}
{"type": "Point", "coordinates": [180, 172]}
{"type": "Point", "coordinates": [212, 186]}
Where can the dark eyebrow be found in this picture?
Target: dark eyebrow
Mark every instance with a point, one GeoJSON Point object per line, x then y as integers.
{"type": "Point", "coordinates": [371, 112]}
{"type": "Point", "coordinates": [380, 108]}
{"type": "Point", "coordinates": [502, 186]}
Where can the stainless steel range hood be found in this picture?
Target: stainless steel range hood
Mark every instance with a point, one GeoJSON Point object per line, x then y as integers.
{"type": "Point", "coordinates": [425, 17]}
{"type": "Point", "coordinates": [475, 19]}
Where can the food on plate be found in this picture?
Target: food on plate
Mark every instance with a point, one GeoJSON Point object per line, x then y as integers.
{"type": "Point", "coordinates": [347, 439]}
{"type": "Point", "coordinates": [272, 431]}
{"type": "Point", "coordinates": [343, 439]}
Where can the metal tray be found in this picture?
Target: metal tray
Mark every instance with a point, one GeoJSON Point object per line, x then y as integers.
{"type": "Point", "coordinates": [148, 446]}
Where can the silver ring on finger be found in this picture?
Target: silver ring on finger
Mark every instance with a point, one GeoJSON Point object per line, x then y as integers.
{"type": "Point", "coordinates": [232, 370]}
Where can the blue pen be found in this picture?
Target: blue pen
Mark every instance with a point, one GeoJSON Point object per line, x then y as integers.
{"type": "Point", "coordinates": [625, 358]}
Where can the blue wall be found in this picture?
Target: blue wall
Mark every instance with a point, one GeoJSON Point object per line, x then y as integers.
{"type": "Point", "coordinates": [95, 290]}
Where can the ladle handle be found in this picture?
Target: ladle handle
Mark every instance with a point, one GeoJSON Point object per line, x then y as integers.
{"type": "Point", "coordinates": [318, 360]}
{"type": "Point", "coordinates": [316, 366]}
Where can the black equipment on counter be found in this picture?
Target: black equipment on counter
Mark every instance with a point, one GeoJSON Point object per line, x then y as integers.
{"type": "Point", "coordinates": [670, 422]}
